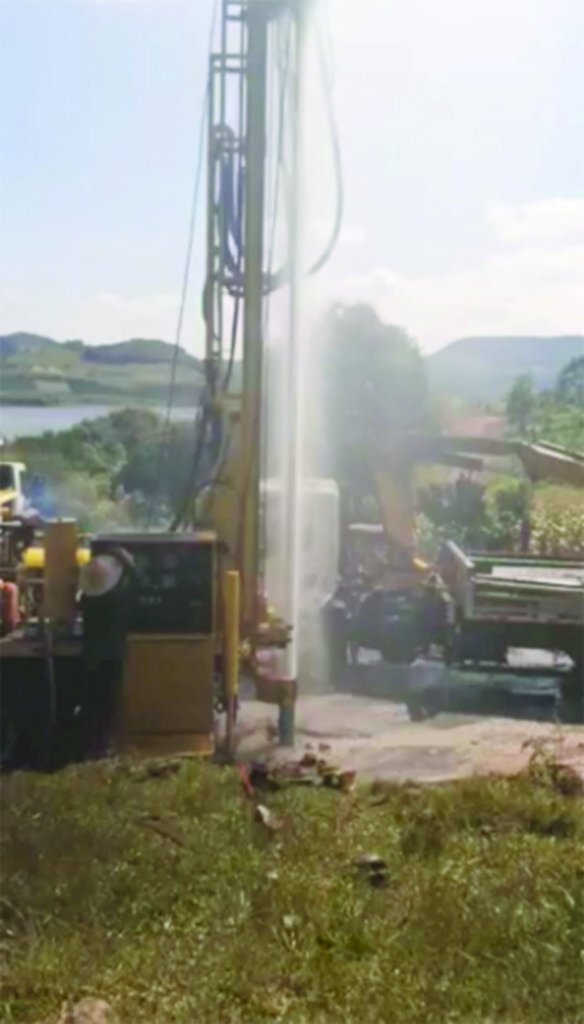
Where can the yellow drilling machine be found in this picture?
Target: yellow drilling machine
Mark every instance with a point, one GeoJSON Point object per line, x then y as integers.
{"type": "Point", "coordinates": [193, 607]}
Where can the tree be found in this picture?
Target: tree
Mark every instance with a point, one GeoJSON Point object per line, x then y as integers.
{"type": "Point", "coordinates": [556, 415]}
{"type": "Point", "coordinates": [374, 387]}
{"type": "Point", "coordinates": [570, 383]}
{"type": "Point", "coordinates": [521, 404]}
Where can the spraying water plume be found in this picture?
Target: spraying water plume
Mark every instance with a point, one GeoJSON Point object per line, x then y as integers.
{"type": "Point", "coordinates": [301, 533]}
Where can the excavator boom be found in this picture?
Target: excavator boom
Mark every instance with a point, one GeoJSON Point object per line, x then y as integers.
{"type": "Point", "coordinates": [395, 478]}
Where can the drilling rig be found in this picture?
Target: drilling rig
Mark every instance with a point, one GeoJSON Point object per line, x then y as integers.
{"type": "Point", "coordinates": [196, 610]}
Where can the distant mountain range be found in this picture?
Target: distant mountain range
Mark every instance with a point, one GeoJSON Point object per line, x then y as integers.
{"type": "Point", "coordinates": [41, 371]}
{"type": "Point", "coordinates": [36, 370]}
{"type": "Point", "coordinates": [483, 369]}
{"type": "Point", "coordinates": [136, 350]}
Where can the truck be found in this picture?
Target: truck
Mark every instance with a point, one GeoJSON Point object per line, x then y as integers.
{"type": "Point", "coordinates": [479, 605]}
{"type": "Point", "coordinates": [504, 601]}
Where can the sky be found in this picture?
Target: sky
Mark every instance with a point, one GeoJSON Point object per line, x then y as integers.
{"type": "Point", "coordinates": [462, 135]}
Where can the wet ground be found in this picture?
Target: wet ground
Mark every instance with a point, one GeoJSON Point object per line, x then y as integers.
{"type": "Point", "coordinates": [534, 688]}
{"type": "Point", "coordinates": [429, 723]}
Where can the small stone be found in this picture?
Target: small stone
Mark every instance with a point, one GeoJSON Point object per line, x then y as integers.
{"type": "Point", "coordinates": [87, 1011]}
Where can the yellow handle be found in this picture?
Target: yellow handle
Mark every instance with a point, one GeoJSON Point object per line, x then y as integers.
{"type": "Point", "coordinates": [231, 645]}
{"type": "Point", "coordinates": [34, 557]}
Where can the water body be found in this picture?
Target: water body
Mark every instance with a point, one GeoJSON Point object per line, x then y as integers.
{"type": "Point", "coordinates": [31, 420]}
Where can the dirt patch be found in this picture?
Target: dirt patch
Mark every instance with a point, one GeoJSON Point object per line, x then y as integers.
{"type": "Point", "coordinates": [383, 742]}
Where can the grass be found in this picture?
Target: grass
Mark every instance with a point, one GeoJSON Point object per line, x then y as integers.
{"type": "Point", "coordinates": [165, 897]}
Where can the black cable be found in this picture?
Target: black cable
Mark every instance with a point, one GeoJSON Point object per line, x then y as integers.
{"type": "Point", "coordinates": [334, 136]}
{"type": "Point", "coordinates": [275, 280]}
{"type": "Point", "coordinates": [233, 345]}
{"type": "Point", "coordinates": [163, 451]}
{"type": "Point", "coordinates": [192, 490]}
{"type": "Point", "coordinates": [240, 211]}
{"type": "Point", "coordinates": [51, 720]}
{"type": "Point", "coordinates": [186, 273]}
{"type": "Point", "coordinates": [201, 425]}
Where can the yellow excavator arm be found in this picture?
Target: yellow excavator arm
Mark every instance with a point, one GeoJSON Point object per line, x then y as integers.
{"type": "Point", "coordinates": [395, 478]}
{"type": "Point", "coordinates": [542, 461]}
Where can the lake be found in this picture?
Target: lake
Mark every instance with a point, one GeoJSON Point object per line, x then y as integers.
{"type": "Point", "coordinates": [20, 420]}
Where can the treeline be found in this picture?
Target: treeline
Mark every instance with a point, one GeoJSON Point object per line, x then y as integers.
{"type": "Point", "coordinates": [137, 350]}
{"type": "Point", "coordinates": [556, 415]}
{"type": "Point", "coordinates": [131, 468]}
{"type": "Point", "coordinates": [124, 469]}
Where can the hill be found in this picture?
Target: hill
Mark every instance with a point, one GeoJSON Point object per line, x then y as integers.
{"type": "Point", "coordinates": [37, 370]}
{"type": "Point", "coordinates": [483, 369]}
{"type": "Point", "coordinates": [135, 350]}
{"type": "Point", "coordinates": [19, 344]}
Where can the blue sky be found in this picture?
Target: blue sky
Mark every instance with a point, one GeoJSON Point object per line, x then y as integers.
{"type": "Point", "coordinates": [463, 148]}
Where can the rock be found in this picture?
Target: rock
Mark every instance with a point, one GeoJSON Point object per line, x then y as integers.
{"type": "Point", "coordinates": [87, 1011]}
{"type": "Point", "coordinates": [267, 818]}
{"type": "Point", "coordinates": [374, 869]}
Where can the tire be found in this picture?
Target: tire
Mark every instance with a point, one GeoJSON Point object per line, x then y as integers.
{"type": "Point", "coordinates": [398, 654]}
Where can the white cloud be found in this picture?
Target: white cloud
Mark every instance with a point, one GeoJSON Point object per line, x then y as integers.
{"type": "Point", "coordinates": [147, 316]}
{"type": "Point", "coordinates": [351, 234]}
{"type": "Point", "coordinates": [101, 318]}
{"type": "Point", "coordinates": [143, 305]}
{"type": "Point", "coordinates": [106, 3]}
{"type": "Point", "coordinates": [535, 288]}
{"type": "Point", "coordinates": [532, 286]}
{"type": "Point", "coordinates": [550, 220]}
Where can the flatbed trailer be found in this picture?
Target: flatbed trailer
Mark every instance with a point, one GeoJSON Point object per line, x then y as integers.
{"type": "Point", "coordinates": [503, 601]}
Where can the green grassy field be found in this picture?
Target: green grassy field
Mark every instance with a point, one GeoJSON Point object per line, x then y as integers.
{"type": "Point", "coordinates": [165, 897]}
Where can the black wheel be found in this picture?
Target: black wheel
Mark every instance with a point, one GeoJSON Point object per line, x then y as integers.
{"type": "Point", "coordinates": [399, 653]}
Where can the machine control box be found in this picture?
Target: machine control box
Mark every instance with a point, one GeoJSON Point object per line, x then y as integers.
{"type": "Point", "coordinates": [172, 586]}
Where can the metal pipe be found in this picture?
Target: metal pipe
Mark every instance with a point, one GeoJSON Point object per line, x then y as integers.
{"type": "Point", "coordinates": [255, 148]}
{"type": "Point", "coordinates": [294, 512]}
{"type": "Point", "coordinates": [286, 723]}
{"type": "Point", "coordinates": [209, 299]}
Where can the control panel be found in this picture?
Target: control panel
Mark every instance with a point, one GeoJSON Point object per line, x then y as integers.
{"type": "Point", "coordinates": [171, 585]}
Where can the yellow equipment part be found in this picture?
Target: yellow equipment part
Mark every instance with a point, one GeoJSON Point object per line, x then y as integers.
{"type": "Point", "coordinates": [395, 479]}
{"type": "Point", "coordinates": [231, 648]}
{"type": "Point", "coordinates": [60, 571]}
{"type": "Point", "coordinates": [167, 696]}
{"type": "Point", "coordinates": [7, 496]}
{"type": "Point", "coordinates": [170, 666]}
{"type": "Point", "coordinates": [396, 500]}
{"type": "Point", "coordinates": [34, 557]}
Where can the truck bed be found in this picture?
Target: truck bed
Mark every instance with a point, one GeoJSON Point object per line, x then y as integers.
{"type": "Point", "coordinates": [513, 588]}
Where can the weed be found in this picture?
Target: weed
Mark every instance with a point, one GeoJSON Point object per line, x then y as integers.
{"type": "Point", "coordinates": [481, 920]}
